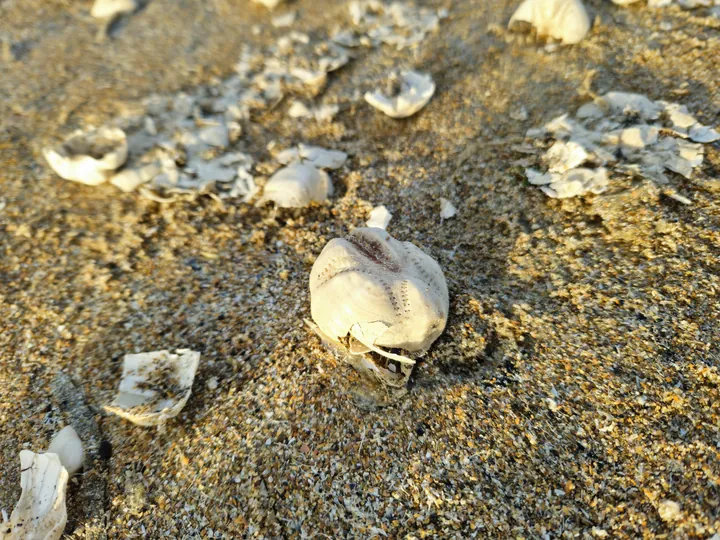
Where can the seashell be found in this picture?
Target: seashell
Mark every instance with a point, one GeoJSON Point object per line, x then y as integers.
{"type": "Point", "coordinates": [378, 292]}
{"type": "Point", "coordinates": [69, 449]}
{"type": "Point", "coordinates": [564, 20]}
{"type": "Point", "coordinates": [284, 20]}
{"type": "Point", "coordinates": [379, 217]}
{"type": "Point", "coordinates": [447, 209]}
{"type": "Point", "coordinates": [319, 157]}
{"type": "Point", "coordinates": [89, 157]}
{"type": "Point", "coordinates": [411, 92]}
{"type": "Point", "coordinates": [155, 386]}
{"type": "Point", "coordinates": [296, 186]}
{"type": "Point", "coordinates": [703, 134]}
{"type": "Point", "coordinates": [130, 179]}
{"type": "Point", "coordinates": [628, 104]}
{"type": "Point", "coordinates": [270, 4]}
{"type": "Point", "coordinates": [40, 514]}
{"type": "Point", "coordinates": [103, 9]}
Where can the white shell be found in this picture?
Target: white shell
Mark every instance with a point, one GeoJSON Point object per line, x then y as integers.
{"type": "Point", "coordinates": [89, 157]}
{"type": "Point", "coordinates": [379, 217]}
{"type": "Point", "coordinates": [317, 156]}
{"type": "Point", "coordinates": [565, 20]}
{"type": "Point", "coordinates": [415, 92]}
{"type": "Point", "coordinates": [69, 448]}
{"type": "Point", "coordinates": [130, 179]}
{"type": "Point", "coordinates": [383, 292]}
{"type": "Point", "coordinates": [270, 4]}
{"type": "Point", "coordinates": [110, 8]}
{"type": "Point", "coordinates": [296, 186]}
{"type": "Point", "coordinates": [40, 514]}
{"type": "Point", "coordinates": [447, 209]}
{"type": "Point", "coordinates": [155, 386]}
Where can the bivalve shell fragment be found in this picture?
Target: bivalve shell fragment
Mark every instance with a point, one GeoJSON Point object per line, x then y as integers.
{"type": "Point", "coordinates": [564, 20]}
{"type": "Point", "coordinates": [296, 186]}
{"type": "Point", "coordinates": [408, 93]}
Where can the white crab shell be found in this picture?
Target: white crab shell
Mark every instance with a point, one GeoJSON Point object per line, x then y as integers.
{"type": "Point", "coordinates": [69, 448]}
{"type": "Point", "coordinates": [565, 20]}
{"type": "Point", "coordinates": [40, 514]}
{"type": "Point", "coordinates": [89, 157]}
{"type": "Point", "coordinates": [155, 386]}
{"type": "Point", "coordinates": [103, 9]}
{"type": "Point", "coordinates": [383, 292]}
{"type": "Point", "coordinates": [415, 92]}
{"type": "Point", "coordinates": [296, 186]}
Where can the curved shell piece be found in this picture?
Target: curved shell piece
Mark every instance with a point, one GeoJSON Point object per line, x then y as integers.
{"type": "Point", "coordinates": [270, 4]}
{"type": "Point", "coordinates": [383, 292]}
{"type": "Point", "coordinates": [40, 514]}
{"type": "Point", "coordinates": [317, 156]}
{"type": "Point", "coordinates": [296, 186]}
{"type": "Point", "coordinates": [69, 448]}
{"type": "Point", "coordinates": [89, 157]}
{"type": "Point", "coordinates": [155, 386]}
{"type": "Point", "coordinates": [110, 8]}
{"type": "Point", "coordinates": [565, 20]}
{"type": "Point", "coordinates": [414, 93]}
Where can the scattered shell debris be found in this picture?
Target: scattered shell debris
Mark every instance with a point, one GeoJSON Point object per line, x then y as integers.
{"type": "Point", "coordinates": [40, 513]}
{"type": "Point", "coordinates": [155, 386]}
{"type": "Point", "coordinates": [371, 293]}
{"type": "Point", "coordinates": [404, 94]}
{"type": "Point", "coordinates": [623, 133]}
{"type": "Point", "coordinates": [108, 9]}
{"type": "Point", "coordinates": [447, 209]}
{"type": "Point", "coordinates": [317, 156]}
{"type": "Point", "coordinates": [564, 20]}
{"type": "Point", "coordinates": [322, 113]}
{"type": "Point", "coordinates": [297, 186]}
{"type": "Point", "coordinates": [398, 24]}
{"type": "Point", "coordinates": [89, 157]}
{"type": "Point", "coordinates": [69, 448]}
{"type": "Point", "coordinates": [379, 217]}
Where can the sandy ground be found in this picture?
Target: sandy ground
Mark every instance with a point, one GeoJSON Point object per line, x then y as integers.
{"type": "Point", "coordinates": [574, 390]}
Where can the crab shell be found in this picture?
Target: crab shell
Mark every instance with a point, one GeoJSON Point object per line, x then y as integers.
{"type": "Point", "coordinates": [383, 292]}
{"type": "Point", "coordinates": [566, 20]}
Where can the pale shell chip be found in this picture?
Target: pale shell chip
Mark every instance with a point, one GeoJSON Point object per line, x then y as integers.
{"type": "Point", "coordinates": [69, 448]}
{"type": "Point", "coordinates": [379, 292]}
{"type": "Point", "coordinates": [270, 4]}
{"type": "Point", "coordinates": [564, 20]}
{"type": "Point", "coordinates": [89, 157]}
{"type": "Point", "coordinates": [104, 9]}
{"type": "Point", "coordinates": [414, 92]}
{"type": "Point", "coordinates": [379, 217]}
{"type": "Point", "coordinates": [296, 186]}
{"type": "Point", "coordinates": [155, 386]}
{"type": "Point", "coordinates": [40, 514]}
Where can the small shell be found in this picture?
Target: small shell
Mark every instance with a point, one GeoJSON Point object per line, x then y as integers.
{"type": "Point", "coordinates": [89, 157]}
{"type": "Point", "coordinates": [317, 156]}
{"type": "Point", "coordinates": [69, 448]}
{"type": "Point", "coordinates": [130, 179]}
{"type": "Point", "coordinates": [155, 386]}
{"type": "Point", "coordinates": [270, 4]}
{"type": "Point", "coordinates": [415, 92]}
{"type": "Point", "coordinates": [383, 292]}
{"type": "Point", "coordinates": [296, 186]}
{"type": "Point", "coordinates": [103, 9]}
{"type": "Point", "coordinates": [629, 104]}
{"type": "Point", "coordinates": [379, 217]}
{"type": "Point", "coordinates": [447, 209]}
{"type": "Point", "coordinates": [565, 20]}
{"type": "Point", "coordinates": [40, 514]}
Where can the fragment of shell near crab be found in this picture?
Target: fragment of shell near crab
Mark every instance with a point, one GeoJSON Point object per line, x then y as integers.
{"type": "Point", "coordinates": [371, 295]}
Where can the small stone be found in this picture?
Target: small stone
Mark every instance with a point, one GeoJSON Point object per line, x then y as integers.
{"type": "Point", "coordinates": [669, 510]}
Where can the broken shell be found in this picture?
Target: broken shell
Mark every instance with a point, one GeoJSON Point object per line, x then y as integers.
{"type": "Point", "coordinates": [383, 292]}
{"type": "Point", "coordinates": [414, 93]}
{"type": "Point", "coordinates": [379, 217]}
{"type": "Point", "coordinates": [628, 103]}
{"type": "Point", "coordinates": [155, 386]}
{"type": "Point", "coordinates": [130, 179]}
{"type": "Point", "coordinates": [319, 157]}
{"type": "Point", "coordinates": [296, 186]}
{"type": "Point", "coordinates": [103, 9]}
{"type": "Point", "coordinates": [270, 4]}
{"type": "Point", "coordinates": [447, 209]}
{"type": "Point", "coordinates": [40, 513]}
{"type": "Point", "coordinates": [69, 449]}
{"type": "Point", "coordinates": [89, 157]}
{"type": "Point", "coordinates": [565, 20]}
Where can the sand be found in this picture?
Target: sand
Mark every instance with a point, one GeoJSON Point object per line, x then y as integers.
{"type": "Point", "coordinates": [575, 389]}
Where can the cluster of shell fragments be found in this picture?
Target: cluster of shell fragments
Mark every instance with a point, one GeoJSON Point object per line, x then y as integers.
{"type": "Point", "coordinates": [371, 293]}
{"type": "Point", "coordinates": [622, 133]}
